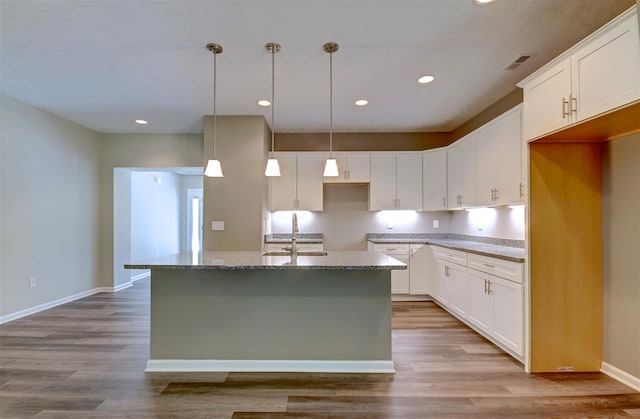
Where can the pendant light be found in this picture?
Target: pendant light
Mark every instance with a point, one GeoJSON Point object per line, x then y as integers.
{"type": "Point", "coordinates": [273, 168]}
{"type": "Point", "coordinates": [213, 166]}
{"type": "Point", "coordinates": [331, 166]}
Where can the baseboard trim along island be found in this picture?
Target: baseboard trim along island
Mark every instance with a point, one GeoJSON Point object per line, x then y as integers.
{"type": "Point", "coordinates": [244, 311]}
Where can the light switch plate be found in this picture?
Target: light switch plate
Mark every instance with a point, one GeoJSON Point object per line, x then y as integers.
{"type": "Point", "coordinates": [217, 225]}
{"type": "Point", "coordinates": [436, 224]}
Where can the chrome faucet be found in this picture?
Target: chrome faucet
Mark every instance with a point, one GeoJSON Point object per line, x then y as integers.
{"type": "Point", "coordinates": [294, 230]}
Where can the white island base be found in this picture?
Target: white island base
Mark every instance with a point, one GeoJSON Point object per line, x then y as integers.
{"type": "Point", "coordinates": [271, 320]}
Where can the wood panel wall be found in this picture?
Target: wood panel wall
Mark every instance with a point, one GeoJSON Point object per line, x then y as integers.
{"type": "Point", "coordinates": [566, 256]}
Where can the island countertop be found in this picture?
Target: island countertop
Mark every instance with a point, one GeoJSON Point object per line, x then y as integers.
{"type": "Point", "coordinates": [248, 260]}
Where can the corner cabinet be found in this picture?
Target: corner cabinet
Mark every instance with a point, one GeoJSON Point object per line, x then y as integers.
{"type": "Point", "coordinates": [597, 75]}
{"type": "Point", "coordinates": [396, 181]}
{"type": "Point", "coordinates": [434, 180]}
{"type": "Point", "coordinates": [352, 168]}
{"type": "Point", "coordinates": [300, 185]}
{"type": "Point", "coordinates": [499, 160]}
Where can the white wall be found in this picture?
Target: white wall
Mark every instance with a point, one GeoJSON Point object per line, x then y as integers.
{"type": "Point", "coordinates": [50, 207]}
{"type": "Point", "coordinates": [155, 214]}
{"type": "Point", "coordinates": [501, 222]}
{"type": "Point", "coordinates": [346, 219]}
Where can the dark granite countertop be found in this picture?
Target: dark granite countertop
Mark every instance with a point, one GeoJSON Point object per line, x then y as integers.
{"type": "Point", "coordinates": [506, 249]}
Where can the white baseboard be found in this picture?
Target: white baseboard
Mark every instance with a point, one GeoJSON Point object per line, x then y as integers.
{"type": "Point", "coordinates": [141, 276]}
{"type": "Point", "coordinates": [41, 307]}
{"type": "Point", "coordinates": [233, 365]}
{"type": "Point", "coordinates": [622, 376]}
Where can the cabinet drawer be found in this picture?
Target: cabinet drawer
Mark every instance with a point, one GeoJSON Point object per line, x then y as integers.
{"type": "Point", "coordinates": [498, 267]}
{"type": "Point", "coordinates": [393, 249]}
{"type": "Point", "coordinates": [450, 255]}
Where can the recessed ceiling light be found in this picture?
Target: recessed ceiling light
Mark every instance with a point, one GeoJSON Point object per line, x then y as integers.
{"type": "Point", "coordinates": [426, 79]}
{"type": "Point", "coordinates": [141, 122]}
{"type": "Point", "coordinates": [482, 2]}
{"type": "Point", "coordinates": [264, 102]}
{"type": "Point", "coordinates": [361, 102]}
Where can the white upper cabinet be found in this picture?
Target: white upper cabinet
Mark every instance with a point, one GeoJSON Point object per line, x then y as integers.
{"type": "Point", "coordinates": [353, 168]}
{"type": "Point", "coordinates": [300, 185]}
{"type": "Point", "coordinates": [499, 160]}
{"type": "Point", "coordinates": [434, 180]}
{"type": "Point", "coordinates": [606, 71]}
{"type": "Point", "coordinates": [597, 75]}
{"type": "Point", "coordinates": [409, 181]}
{"type": "Point", "coordinates": [461, 173]}
{"type": "Point", "coordinates": [396, 181]}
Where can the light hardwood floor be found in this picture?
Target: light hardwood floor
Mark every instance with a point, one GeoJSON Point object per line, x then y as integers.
{"type": "Point", "coordinates": [86, 359]}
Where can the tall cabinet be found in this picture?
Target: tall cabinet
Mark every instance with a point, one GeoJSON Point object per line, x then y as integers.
{"type": "Point", "coordinates": [565, 238]}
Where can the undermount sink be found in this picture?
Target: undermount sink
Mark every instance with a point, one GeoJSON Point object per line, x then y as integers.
{"type": "Point", "coordinates": [283, 253]}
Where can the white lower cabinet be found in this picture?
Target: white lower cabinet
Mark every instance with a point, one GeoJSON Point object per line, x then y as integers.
{"type": "Point", "coordinates": [452, 285]}
{"type": "Point", "coordinates": [485, 292]}
{"type": "Point", "coordinates": [399, 278]}
{"type": "Point", "coordinates": [416, 280]}
{"type": "Point", "coordinates": [418, 269]}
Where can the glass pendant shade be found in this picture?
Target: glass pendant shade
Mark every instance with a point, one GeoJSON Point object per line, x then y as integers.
{"type": "Point", "coordinates": [273, 168]}
{"type": "Point", "coordinates": [213, 169]}
{"type": "Point", "coordinates": [331, 168]}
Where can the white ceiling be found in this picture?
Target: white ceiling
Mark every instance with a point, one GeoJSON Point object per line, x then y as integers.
{"type": "Point", "coordinates": [103, 64]}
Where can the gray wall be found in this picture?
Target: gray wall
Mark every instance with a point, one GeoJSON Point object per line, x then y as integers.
{"type": "Point", "coordinates": [50, 207]}
{"type": "Point", "coordinates": [238, 198]}
{"type": "Point", "coordinates": [135, 150]}
{"type": "Point", "coordinates": [621, 228]}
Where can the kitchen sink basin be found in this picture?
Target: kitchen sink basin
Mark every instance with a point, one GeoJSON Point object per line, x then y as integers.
{"type": "Point", "coordinates": [283, 253]}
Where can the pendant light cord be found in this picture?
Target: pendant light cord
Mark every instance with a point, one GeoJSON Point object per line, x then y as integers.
{"type": "Point", "coordinates": [214, 103]}
{"type": "Point", "coordinates": [331, 105]}
{"type": "Point", "coordinates": [273, 102]}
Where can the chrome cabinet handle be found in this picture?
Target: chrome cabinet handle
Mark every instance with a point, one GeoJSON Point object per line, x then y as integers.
{"type": "Point", "coordinates": [574, 101]}
{"type": "Point", "coordinates": [444, 202]}
{"type": "Point", "coordinates": [488, 265]}
{"type": "Point", "coordinates": [489, 288]}
{"type": "Point", "coordinates": [521, 190]}
{"type": "Point", "coordinates": [485, 286]}
{"type": "Point", "coordinates": [496, 194]}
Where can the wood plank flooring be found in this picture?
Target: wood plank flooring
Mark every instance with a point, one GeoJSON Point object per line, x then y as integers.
{"type": "Point", "coordinates": [86, 359]}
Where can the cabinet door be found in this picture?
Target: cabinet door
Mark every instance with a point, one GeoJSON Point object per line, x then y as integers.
{"type": "Point", "coordinates": [358, 167]}
{"type": "Point", "coordinates": [546, 100]}
{"type": "Point", "coordinates": [382, 190]}
{"type": "Point", "coordinates": [509, 184]}
{"type": "Point", "coordinates": [418, 269]}
{"type": "Point", "coordinates": [480, 309]}
{"type": "Point", "coordinates": [409, 181]}
{"type": "Point", "coordinates": [341, 160]}
{"type": "Point", "coordinates": [487, 154]}
{"type": "Point", "coordinates": [309, 183]}
{"type": "Point", "coordinates": [400, 278]}
{"type": "Point", "coordinates": [282, 189]}
{"type": "Point", "coordinates": [605, 72]}
{"type": "Point", "coordinates": [457, 276]}
{"type": "Point", "coordinates": [442, 290]}
{"type": "Point", "coordinates": [434, 180]}
{"type": "Point", "coordinates": [461, 173]}
{"type": "Point", "coordinates": [508, 313]}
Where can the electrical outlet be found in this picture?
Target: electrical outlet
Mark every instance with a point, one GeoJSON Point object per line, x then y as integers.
{"type": "Point", "coordinates": [217, 225]}
{"type": "Point", "coordinates": [436, 224]}
{"type": "Point", "coordinates": [33, 282]}
{"type": "Point", "coordinates": [565, 368]}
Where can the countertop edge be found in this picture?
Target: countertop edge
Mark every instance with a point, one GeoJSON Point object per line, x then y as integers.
{"type": "Point", "coordinates": [439, 242]}
{"type": "Point", "coordinates": [268, 268]}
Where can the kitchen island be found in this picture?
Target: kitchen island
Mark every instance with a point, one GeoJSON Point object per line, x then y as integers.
{"type": "Point", "coordinates": [244, 311]}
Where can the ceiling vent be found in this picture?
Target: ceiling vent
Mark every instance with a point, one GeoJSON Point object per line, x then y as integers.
{"type": "Point", "coordinates": [518, 61]}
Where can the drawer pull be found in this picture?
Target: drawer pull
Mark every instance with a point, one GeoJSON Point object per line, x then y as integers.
{"type": "Point", "coordinates": [488, 266]}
